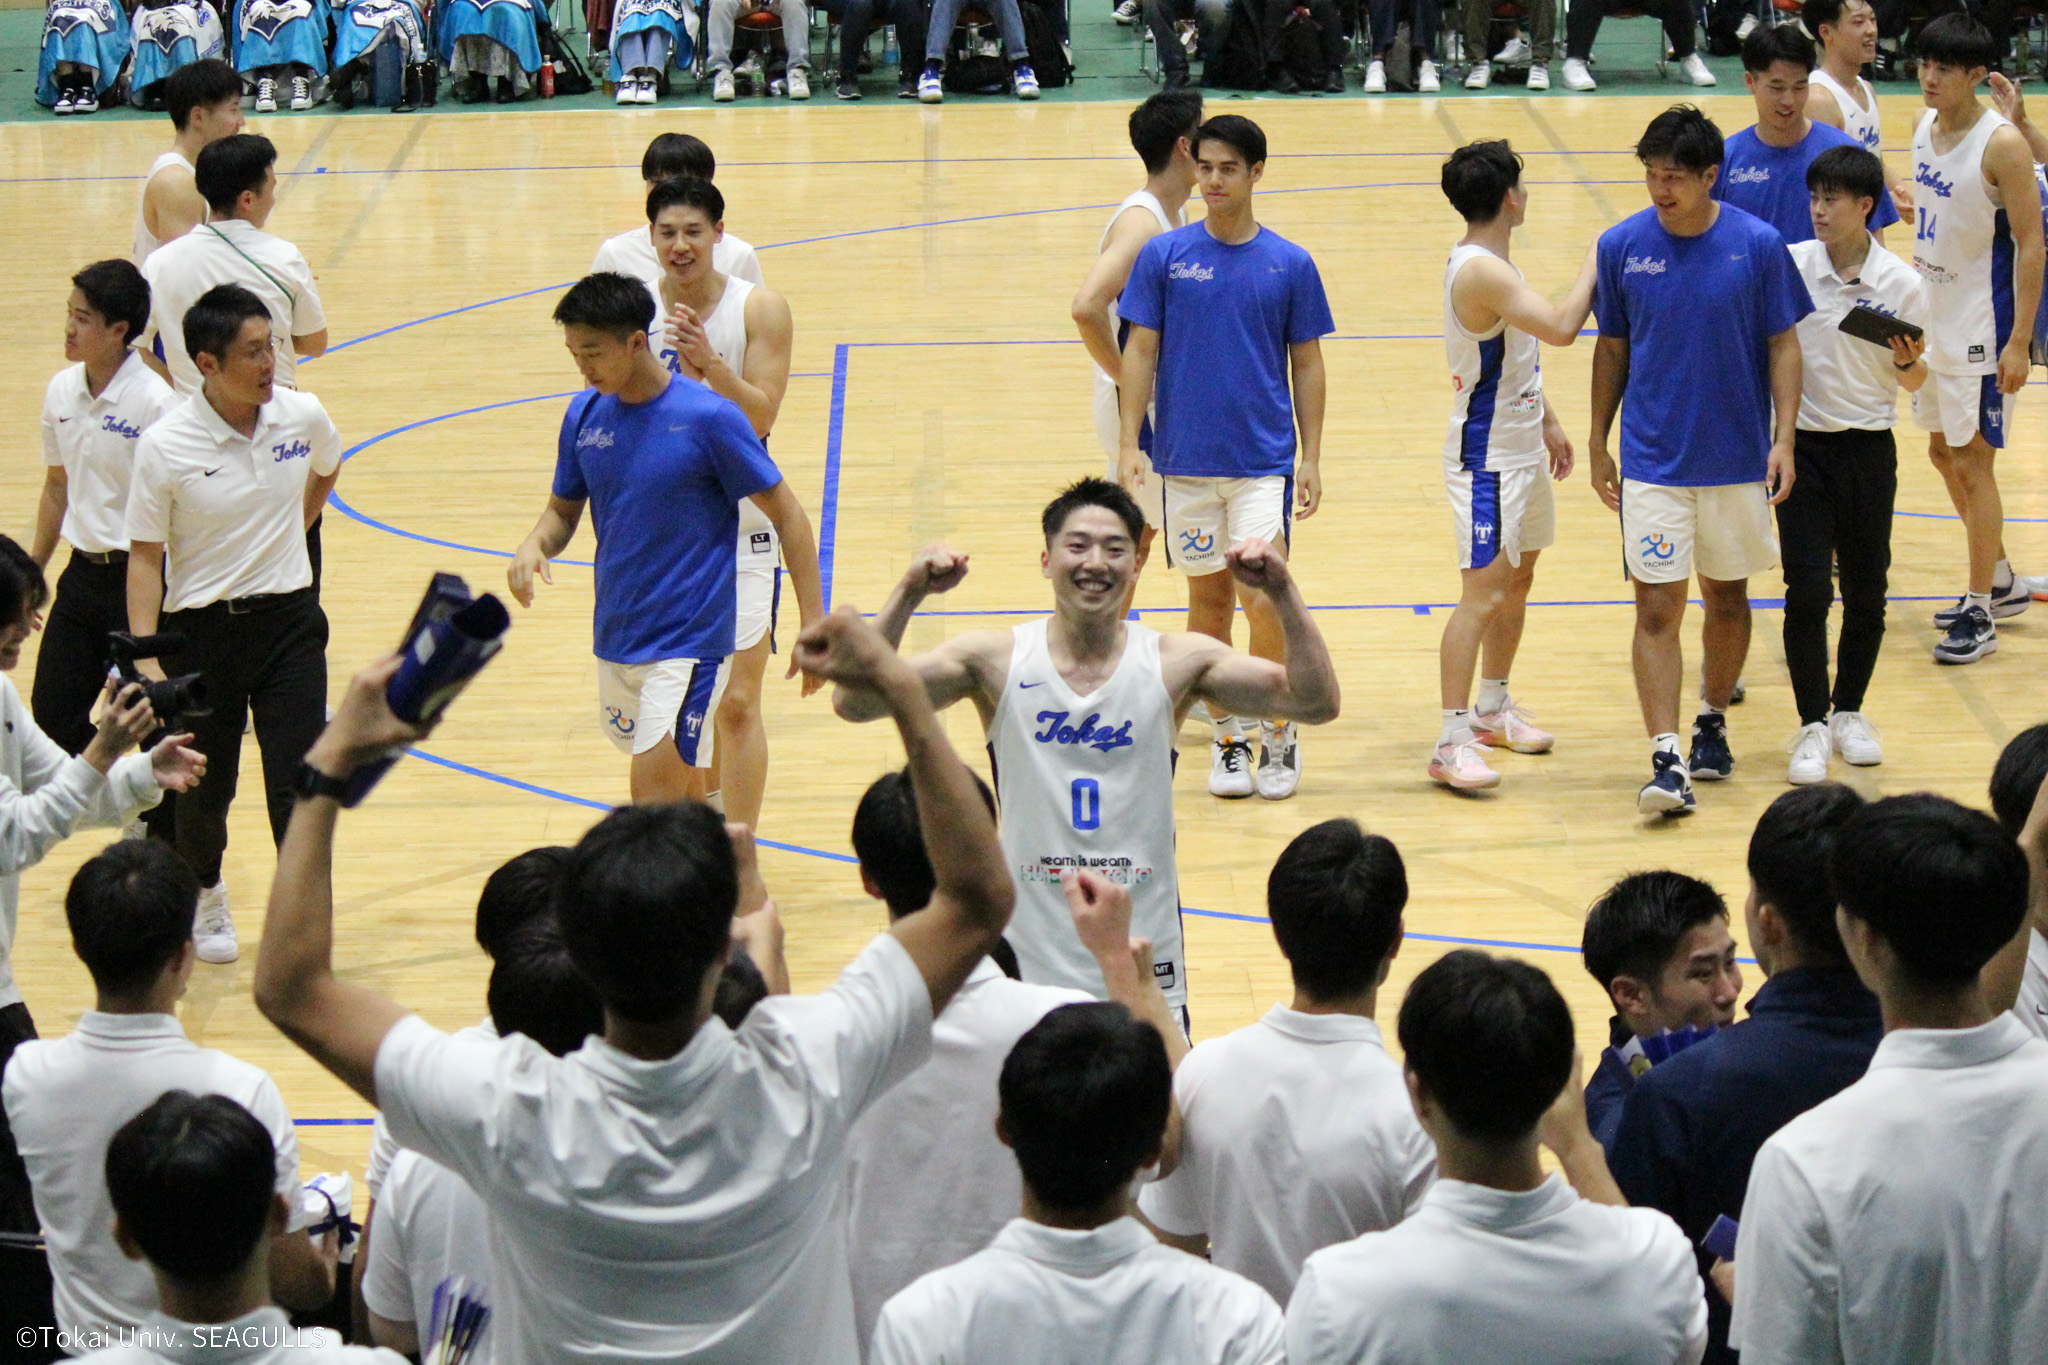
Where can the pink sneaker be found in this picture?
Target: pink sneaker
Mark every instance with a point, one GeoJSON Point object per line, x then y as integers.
{"type": "Point", "coordinates": [1461, 765]}
{"type": "Point", "coordinates": [1509, 728]}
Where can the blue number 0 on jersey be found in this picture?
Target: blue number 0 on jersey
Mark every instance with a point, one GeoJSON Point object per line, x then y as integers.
{"type": "Point", "coordinates": [1087, 803]}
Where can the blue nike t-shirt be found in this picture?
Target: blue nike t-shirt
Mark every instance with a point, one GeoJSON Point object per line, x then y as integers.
{"type": "Point", "coordinates": [1698, 314]}
{"type": "Point", "coordinates": [1770, 182]}
{"type": "Point", "coordinates": [664, 480]}
{"type": "Point", "coordinates": [1225, 317]}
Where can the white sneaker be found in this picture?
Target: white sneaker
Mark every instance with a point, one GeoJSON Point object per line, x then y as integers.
{"type": "Point", "coordinates": [1694, 69]}
{"type": "Point", "coordinates": [629, 90]}
{"type": "Point", "coordinates": [1376, 78]}
{"type": "Point", "coordinates": [1746, 27]}
{"type": "Point", "coordinates": [2037, 587]}
{"type": "Point", "coordinates": [1230, 767]}
{"type": "Point", "coordinates": [1480, 76]}
{"type": "Point", "coordinates": [1461, 764]}
{"type": "Point", "coordinates": [213, 928]}
{"type": "Point", "coordinates": [1126, 13]}
{"type": "Point", "coordinates": [721, 87]}
{"type": "Point", "coordinates": [649, 91]}
{"type": "Point", "coordinates": [1426, 81]}
{"type": "Point", "coordinates": [1279, 760]}
{"type": "Point", "coordinates": [302, 93]}
{"type": "Point", "coordinates": [799, 83]}
{"type": "Point", "coordinates": [1811, 750]}
{"type": "Point", "coordinates": [1539, 76]}
{"type": "Point", "coordinates": [1855, 739]}
{"type": "Point", "coordinates": [266, 96]}
{"type": "Point", "coordinates": [1515, 53]}
{"type": "Point", "coordinates": [1576, 77]}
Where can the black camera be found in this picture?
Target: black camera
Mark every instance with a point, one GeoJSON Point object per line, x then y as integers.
{"type": "Point", "coordinates": [174, 700]}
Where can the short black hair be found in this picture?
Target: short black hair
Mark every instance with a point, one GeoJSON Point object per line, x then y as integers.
{"type": "Point", "coordinates": [191, 1179]}
{"type": "Point", "coordinates": [23, 588]}
{"type": "Point", "coordinates": [213, 322]}
{"type": "Point", "coordinates": [1085, 1094]}
{"type": "Point", "coordinates": [116, 291]}
{"type": "Point", "coordinates": [1769, 44]}
{"type": "Point", "coordinates": [536, 990]}
{"type": "Point", "coordinates": [1789, 854]}
{"type": "Point", "coordinates": [130, 908]}
{"type": "Point", "coordinates": [889, 841]}
{"type": "Point", "coordinates": [1478, 176]}
{"type": "Point", "coordinates": [1851, 170]}
{"type": "Point", "coordinates": [1956, 40]}
{"type": "Point", "coordinates": [1681, 136]}
{"type": "Point", "coordinates": [1335, 897]}
{"type": "Point", "coordinates": [1489, 1039]}
{"type": "Point", "coordinates": [518, 893]}
{"type": "Point", "coordinates": [1939, 882]}
{"type": "Point", "coordinates": [2016, 780]}
{"type": "Point", "coordinates": [199, 85]}
{"type": "Point", "coordinates": [609, 302]}
{"type": "Point", "coordinates": [1160, 122]}
{"type": "Point", "coordinates": [1637, 923]}
{"type": "Point", "coordinates": [689, 193]}
{"type": "Point", "coordinates": [231, 167]}
{"type": "Point", "coordinates": [677, 154]}
{"type": "Point", "coordinates": [1814, 13]}
{"type": "Point", "coordinates": [1092, 492]}
{"type": "Point", "coordinates": [646, 906]}
{"type": "Point", "coordinates": [1236, 132]}
{"type": "Point", "coordinates": [740, 987]}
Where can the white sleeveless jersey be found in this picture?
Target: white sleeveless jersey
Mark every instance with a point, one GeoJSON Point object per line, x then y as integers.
{"type": "Point", "coordinates": [727, 330]}
{"type": "Point", "coordinates": [1087, 783]}
{"type": "Point", "coordinates": [1859, 120]}
{"type": "Point", "coordinates": [1108, 424]}
{"type": "Point", "coordinates": [145, 240]}
{"type": "Point", "coordinates": [1963, 248]}
{"type": "Point", "coordinates": [1497, 378]}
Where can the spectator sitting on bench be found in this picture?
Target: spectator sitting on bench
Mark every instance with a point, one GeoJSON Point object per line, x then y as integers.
{"type": "Point", "coordinates": [938, 40]}
{"type": "Point", "coordinates": [796, 40]}
{"type": "Point", "coordinates": [486, 40]}
{"type": "Point", "coordinates": [83, 45]}
{"type": "Point", "coordinates": [856, 20]}
{"type": "Point", "coordinates": [166, 37]}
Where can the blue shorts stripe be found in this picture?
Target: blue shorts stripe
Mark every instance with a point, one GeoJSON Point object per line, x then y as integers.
{"type": "Point", "coordinates": [1485, 517]}
{"type": "Point", "coordinates": [1991, 413]}
{"type": "Point", "coordinates": [695, 716]}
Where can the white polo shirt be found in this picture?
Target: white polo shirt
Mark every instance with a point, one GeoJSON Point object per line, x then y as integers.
{"type": "Point", "coordinates": [383, 1150]}
{"type": "Point", "coordinates": [927, 1182]}
{"type": "Point", "coordinates": [1906, 1218]}
{"type": "Point", "coordinates": [264, 1337]}
{"type": "Point", "coordinates": [230, 509]}
{"type": "Point", "coordinates": [1054, 1296]}
{"type": "Point", "coordinates": [231, 251]}
{"type": "Point", "coordinates": [1847, 383]}
{"type": "Point", "coordinates": [684, 1209]}
{"type": "Point", "coordinates": [66, 1098]}
{"type": "Point", "coordinates": [429, 1226]}
{"type": "Point", "coordinates": [2032, 1006]}
{"type": "Point", "coordinates": [632, 253]}
{"type": "Point", "coordinates": [1479, 1274]}
{"type": "Point", "coordinates": [92, 439]}
{"type": "Point", "coordinates": [1297, 1133]}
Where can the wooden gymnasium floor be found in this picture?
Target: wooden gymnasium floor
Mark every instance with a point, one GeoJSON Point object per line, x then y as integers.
{"type": "Point", "coordinates": [930, 257]}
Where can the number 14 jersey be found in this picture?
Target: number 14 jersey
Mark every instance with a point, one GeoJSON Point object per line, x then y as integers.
{"type": "Point", "coordinates": [1087, 783]}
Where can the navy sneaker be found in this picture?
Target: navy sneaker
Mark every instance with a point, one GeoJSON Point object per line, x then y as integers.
{"type": "Point", "coordinates": [2007, 599]}
{"type": "Point", "coordinates": [1669, 790]}
{"type": "Point", "coordinates": [1711, 761]}
{"type": "Point", "coordinates": [1969, 639]}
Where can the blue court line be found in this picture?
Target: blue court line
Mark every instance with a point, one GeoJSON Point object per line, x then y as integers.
{"type": "Point", "coordinates": [333, 1123]}
{"type": "Point", "coordinates": [828, 518]}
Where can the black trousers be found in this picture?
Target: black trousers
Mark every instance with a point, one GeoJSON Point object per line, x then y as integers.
{"type": "Point", "coordinates": [1582, 24]}
{"type": "Point", "coordinates": [271, 661]}
{"type": "Point", "coordinates": [1838, 514]}
{"type": "Point", "coordinates": [856, 22]}
{"type": "Point", "coordinates": [71, 665]}
{"type": "Point", "coordinates": [17, 1207]}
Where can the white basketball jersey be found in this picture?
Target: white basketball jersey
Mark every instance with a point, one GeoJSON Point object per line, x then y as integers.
{"type": "Point", "coordinates": [1087, 783]}
{"type": "Point", "coordinates": [1859, 120]}
{"type": "Point", "coordinates": [1497, 383]}
{"type": "Point", "coordinates": [145, 240]}
{"type": "Point", "coordinates": [727, 330]}
{"type": "Point", "coordinates": [1963, 248]}
{"type": "Point", "coordinates": [1108, 425]}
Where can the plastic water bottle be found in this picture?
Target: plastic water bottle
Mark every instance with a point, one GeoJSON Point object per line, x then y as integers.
{"type": "Point", "coordinates": [547, 80]}
{"type": "Point", "coordinates": [889, 45]}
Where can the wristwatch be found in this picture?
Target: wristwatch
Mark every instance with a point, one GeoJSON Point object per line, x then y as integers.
{"type": "Point", "coordinates": [311, 783]}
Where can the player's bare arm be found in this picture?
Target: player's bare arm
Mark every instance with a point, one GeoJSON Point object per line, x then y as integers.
{"type": "Point", "coordinates": [2009, 166]}
{"type": "Point", "coordinates": [171, 204]}
{"type": "Point", "coordinates": [312, 345]}
{"type": "Point", "coordinates": [2007, 99]}
{"type": "Point", "coordinates": [549, 537]}
{"type": "Point", "coordinates": [1102, 919]}
{"type": "Point", "coordinates": [1199, 667]}
{"type": "Point", "coordinates": [1610, 377]}
{"type": "Point", "coordinates": [1557, 443]}
{"type": "Point", "coordinates": [1821, 106]}
{"type": "Point", "coordinates": [1311, 392]}
{"type": "Point", "coordinates": [799, 553]}
{"type": "Point", "coordinates": [1134, 398]}
{"type": "Point", "coordinates": [1489, 290]}
{"type": "Point", "coordinates": [1106, 280]}
{"type": "Point", "coordinates": [975, 664]}
{"type": "Point", "coordinates": [1786, 371]}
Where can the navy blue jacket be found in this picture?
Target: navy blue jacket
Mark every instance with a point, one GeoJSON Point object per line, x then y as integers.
{"type": "Point", "coordinates": [1609, 1086]}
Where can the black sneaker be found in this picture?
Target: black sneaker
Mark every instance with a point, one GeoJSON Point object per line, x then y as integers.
{"type": "Point", "coordinates": [850, 90]}
{"type": "Point", "coordinates": [1281, 81]}
{"type": "Point", "coordinates": [1711, 761]}
{"type": "Point", "coordinates": [1669, 790]}
{"type": "Point", "coordinates": [1969, 639]}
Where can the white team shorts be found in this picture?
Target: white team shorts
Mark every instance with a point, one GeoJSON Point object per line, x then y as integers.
{"type": "Point", "coordinates": [1205, 517]}
{"type": "Point", "coordinates": [1496, 511]}
{"type": "Point", "coordinates": [1959, 407]}
{"type": "Point", "coordinates": [1724, 532]}
{"type": "Point", "coordinates": [640, 705]}
{"type": "Point", "coordinates": [758, 589]}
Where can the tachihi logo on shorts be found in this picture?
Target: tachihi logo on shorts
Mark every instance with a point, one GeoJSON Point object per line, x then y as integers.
{"type": "Point", "coordinates": [1183, 270]}
{"type": "Point", "coordinates": [616, 718]}
{"type": "Point", "coordinates": [1656, 547]}
{"type": "Point", "coordinates": [1195, 542]}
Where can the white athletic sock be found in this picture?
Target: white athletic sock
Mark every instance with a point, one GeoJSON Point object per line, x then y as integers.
{"type": "Point", "coordinates": [1226, 727]}
{"type": "Point", "coordinates": [1665, 743]}
{"type": "Point", "coordinates": [1493, 695]}
{"type": "Point", "coordinates": [1977, 599]}
{"type": "Point", "coordinates": [716, 800]}
{"type": "Point", "coordinates": [2001, 576]}
{"type": "Point", "coordinates": [1454, 722]}
{"type": "Point", "coordinates": [1708, 708]}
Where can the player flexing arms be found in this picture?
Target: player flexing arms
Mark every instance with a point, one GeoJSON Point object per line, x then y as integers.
{"type": "Point", "coordinates": [1162, 133]}
{"type": "Point", "coordinates": [1081, 710]}
{"type": "Point", "coordinates": [732, 336]}
{"type": "Point", "coordinates": [1502, 435]}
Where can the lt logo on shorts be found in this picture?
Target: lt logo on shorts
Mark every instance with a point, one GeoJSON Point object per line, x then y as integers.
{"type": "Point", "coordinates": [1656, 547]}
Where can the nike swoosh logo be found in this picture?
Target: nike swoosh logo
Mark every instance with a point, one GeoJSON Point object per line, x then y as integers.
{"type": "Point", "coordinates": [63, 419]}
{"type": "Point", "coordinates": [211, 472]}
{"type": "Point", "coordinates": [1025, 685]}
